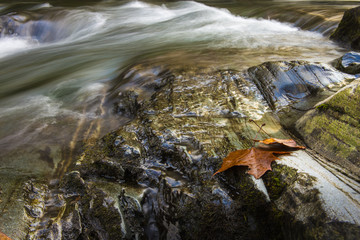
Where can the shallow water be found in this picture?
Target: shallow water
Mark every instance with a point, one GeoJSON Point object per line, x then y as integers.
{"type": "Point", "coordinates": [60, 59]}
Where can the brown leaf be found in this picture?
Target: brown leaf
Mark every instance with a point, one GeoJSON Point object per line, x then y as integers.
{"type": "Point", "coordinates": [258, 160]}
{"type": "Point", "coordinates": [285, 142]}
{"type": "Point", "coordinates": [4, 237]}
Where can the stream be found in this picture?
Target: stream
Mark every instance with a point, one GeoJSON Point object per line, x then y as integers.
{"type": "Point", "coordinates": [60, 61]}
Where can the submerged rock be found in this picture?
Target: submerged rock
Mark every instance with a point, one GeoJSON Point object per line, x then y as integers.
{"type": "Point", "coordinates": [27, 25]}
{"type": "Point", "coordinates": [348, 31]}
{"type": "Point", "coordinates": [44, 25]}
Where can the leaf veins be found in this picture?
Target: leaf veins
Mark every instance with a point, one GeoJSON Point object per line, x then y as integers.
{"type": "Point", "coordinates": [258, 160]}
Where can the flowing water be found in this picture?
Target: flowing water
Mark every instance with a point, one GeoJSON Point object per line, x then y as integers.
{"type": "Point", "coordinates": [59, 60]}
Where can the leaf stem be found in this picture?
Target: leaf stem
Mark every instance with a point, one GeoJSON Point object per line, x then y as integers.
{"type": "Point", "coordinates": [260, 128]}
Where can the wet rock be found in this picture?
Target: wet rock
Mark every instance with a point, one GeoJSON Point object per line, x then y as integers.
{"type": "Point", "coordinates": [74, 210]}
{"type": "Point", "coordinates": [348, 31]}
{"type": "Point", "coordinates": [35, 205]}
{"type": "Point", "coordinates": [73, 185]}
{"type": "Point", "coordinates": [178, 140]}
{"type": "Point", "coordinates": [128, 104]}
{"type": "Point", "coordinates": [177, 150]}
{"type": "Point", "coordinates": [332, 128]}
{"type": "Point", "coordinates": [301, 199]}
{"type": "Point", "coordinates": [71, 225]}
{"type": "Point", "coordinates": [13, 208]}
{"type": "Point", "coordinates": [136, 85]}
{"type": "Point", "coordinates": [333, 187]}
{"type": "Point", "coordinates": [285, 83]}
{"type": "Point", "coordinates": [100, 218]}
{"type": "Point", "coordinates": [113, 158]}
{"type": "Point", "coordinates": [132, 216]}
{"type": "Point", "coordinates": [349, 63]}
{"type": "Point", "coordinates": [104, 168]}
{"type": "Point", "coordinates": [153, 177]}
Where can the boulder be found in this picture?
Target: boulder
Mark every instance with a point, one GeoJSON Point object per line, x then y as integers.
{"type": "Point", "coordinates": [348, 31]}
{"type": "Point", "coordinates": [153, 177]}
{"type": "Point", "coordinates": [332, 128]}
{"type": "Point", "coordinates": [348, 63]}
{"type": "Point", "coordinates": [285, 83]}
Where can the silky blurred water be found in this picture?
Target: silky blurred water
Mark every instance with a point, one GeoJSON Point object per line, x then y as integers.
{"type": "Point", "coordinates": [59, 60]}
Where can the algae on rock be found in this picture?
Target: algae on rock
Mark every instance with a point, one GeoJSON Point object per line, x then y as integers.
{"type": "Point", "coordinates": [332, 128]}
{"type": "Point", "coordinates": [348, 31]}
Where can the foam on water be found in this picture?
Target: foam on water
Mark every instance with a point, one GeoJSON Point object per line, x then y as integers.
{"type": "Point", "coordinates": [12, 45]}
{"type": "Point", "coordinates": [52, 26]}
{"type": "Point", "coordinates": [83, 24]}
{"type": "Point", "coordinates": [27, 34]}
{"type": "Point", "coordinates": [194, 22]}
{"type": "Point", "coordinates": [40, 6]}
{"type": "Point", "coordinates": [138, 26]}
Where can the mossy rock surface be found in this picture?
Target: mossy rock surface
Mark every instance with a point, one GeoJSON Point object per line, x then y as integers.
{"type": "Point", "coordinates": [333, 128]}
{"type": "Point", "coordinates": [348, 31]}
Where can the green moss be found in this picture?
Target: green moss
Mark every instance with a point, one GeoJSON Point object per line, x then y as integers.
{"type": "Point", "coordinates": [333, 134]}
{"type": "Point", "coordinates": [275, 187]}
{"type": "Point", "coordinates": [336, 123]}
{"type": "Point", "coordinates": [347, 102]}
{"type": "Point", "coordinates": [277, 179]}
{"type": "Point", "coordinates": [350, 120]}
{"type": "Point", "coordinates": [248, 193]}
{"type": "Point", "coordinates": [333, 128]}
{"type": "Point", "coordinates": [348, 30]}
{"type": "Point", "coordinates": [322, 107]}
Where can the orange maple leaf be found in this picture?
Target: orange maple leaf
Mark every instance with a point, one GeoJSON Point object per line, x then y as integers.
{"type": "Point", "coordinates": [258, 160]}
{"type": "Point", "coordinates": [285, 142]}
{"type": "Point", "coordinates": [4, 237]}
